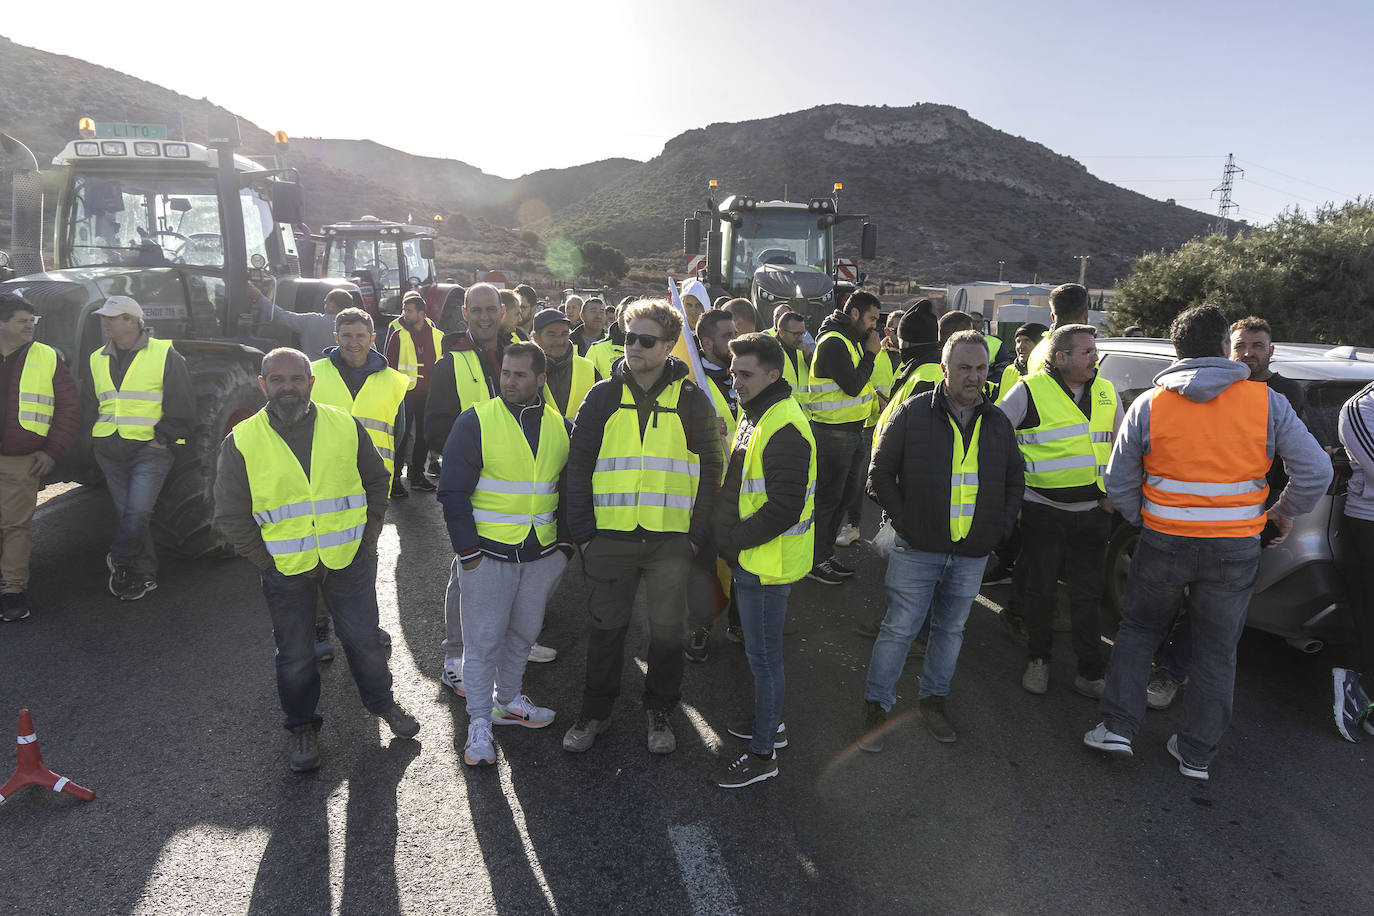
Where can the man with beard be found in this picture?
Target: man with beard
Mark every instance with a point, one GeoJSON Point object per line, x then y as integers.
{"type": "Point", "coordinates": [309, 521]}
{"type": "Point", "coordinates": [593, 326]}
{"type": "Point", "coordinates": [412, 349]}
{"type": "Point", "coordinates": [528, 303]}
{"type": "Point", "coordinates": [570, 376]}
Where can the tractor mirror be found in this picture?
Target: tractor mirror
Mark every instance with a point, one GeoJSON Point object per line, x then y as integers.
{"type": "Point", "coordinates": [868, 244]}
{"type": "Point", "coordinates": [427, 249]}
{"type": "Point", "coordinates": [691, 235]}
{"type": "Point", "coordinates": [286, 202]}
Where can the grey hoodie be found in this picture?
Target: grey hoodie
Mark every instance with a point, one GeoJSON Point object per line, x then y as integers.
{"type": "Point", "coordinates": [1202, 379]}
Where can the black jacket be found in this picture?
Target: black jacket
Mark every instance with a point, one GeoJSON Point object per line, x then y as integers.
{"type": "Point", "coordinates": [909, 476]}
{"type": "Point", "coordinates": [442, 405]}
{"type": "Point", "coordinates": [786, 467]}
{"type": "Point", "coordinates": [832, 360]}
{"type": "Point", "coordinates": [699, 423]}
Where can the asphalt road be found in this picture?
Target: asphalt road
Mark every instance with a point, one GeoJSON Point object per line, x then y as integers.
{"type": "Point", "coordinates": [167, 709]}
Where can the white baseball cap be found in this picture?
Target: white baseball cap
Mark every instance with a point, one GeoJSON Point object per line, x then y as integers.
{"type": "Point", "coordinates": [120, 305]}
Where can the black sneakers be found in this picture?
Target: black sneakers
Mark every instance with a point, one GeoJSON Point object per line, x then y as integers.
{"type": "Point", "coordinates": [403, 724]}
{"type": "Point", "coordinates": [839, 569]}
{"type": "Point", "coordinates": [936, 722]}
{"type": "Point", "coordinates": [875, 722]}
{"type": "Point", "coordinates": [1351, 702]}
{"type": "Point", "coordinates": [304, 746]}
{"type": "Point", "coordinates": [824, 573]}
{"type": "Point", "coordinates": [695, 648]}
{"type": "Point", "coordinates": [15, 607]}
{"type": "Point", "coordinates": [127, 585]}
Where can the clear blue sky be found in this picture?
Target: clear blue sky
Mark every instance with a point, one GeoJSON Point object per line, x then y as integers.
{"type": "Point", "coordinates": [1149, 96]}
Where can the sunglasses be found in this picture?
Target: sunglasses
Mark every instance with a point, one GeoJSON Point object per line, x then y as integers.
{"type": "Point", "coordinates": [647, 341]}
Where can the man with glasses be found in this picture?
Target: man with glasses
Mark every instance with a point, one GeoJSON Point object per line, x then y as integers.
{"type": "Point", "coordinates": [1066, 419]}
{"type": "Point", "coordinates": [643, 468]}
{"type": "Point", "coordinates": [39, 416]}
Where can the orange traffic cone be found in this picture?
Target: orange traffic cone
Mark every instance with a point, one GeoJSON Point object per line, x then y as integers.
{"type": "Point", "coordinates": [30, 770]}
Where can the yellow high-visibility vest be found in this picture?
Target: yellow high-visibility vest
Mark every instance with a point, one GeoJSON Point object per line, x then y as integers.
{"type": "Point", "coordinates": [787, 557]}
{"type": "Point", "coordinates": [1066, 450]}
{"type": "Point", "coordinates": [722, 406]}
{"type": "Point", "coordinates": [603, 353]}
{"type": "Point", "coordinates": [645, 482]}
{"type": "Point", "coordinates": [963, 487]}
{"type": "Point", "coordinates": [925, 372]}
{"type": "Point", "coordinates": [583, 378]}
{"type": "Point", "coordinates": [36, 400]}
{"type": "Point", "coordinates": [882, 378]}
{"type": "Point", "coordinates": [306, 521]}
{"type": "Point", "coordinates": [829, 402]}
{"type": "Point", "coordinates": [407, 358]}
{"type": "Point", "coordinates": [470, 379]}
{"type": "Point", "coordinates": [375, 406]}
{"type": "Point", "coordinates": [798, 375]}
{"type": "Point", "coordinates": [518, 489]}
{"type": "Point", "coordinates": [1010, 376]}
{"type": "Point", "coordinates": [133, 407]}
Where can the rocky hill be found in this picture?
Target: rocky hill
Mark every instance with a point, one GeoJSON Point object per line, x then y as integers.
{"type": "Point", "coordinates": [952, 196]}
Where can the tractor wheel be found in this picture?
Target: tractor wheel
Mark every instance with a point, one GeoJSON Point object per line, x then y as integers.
{"type": "Point", "coordinates": [226, 393]}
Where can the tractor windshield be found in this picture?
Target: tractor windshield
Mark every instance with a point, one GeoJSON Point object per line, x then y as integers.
{"type": "Point", "coordinates": [417, 268]}
{"type": "Point", "coordinates": [776, 236]}
{"type": "Point", "coordinates": [371, 259]}
{"type": "Point", "coordinates": [143, 221]}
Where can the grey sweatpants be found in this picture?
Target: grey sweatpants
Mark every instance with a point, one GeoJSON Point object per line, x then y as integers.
{"type": "Point", "coordinates": [502, 610]}
{"type": "Point", "coordinates": [453, 621]}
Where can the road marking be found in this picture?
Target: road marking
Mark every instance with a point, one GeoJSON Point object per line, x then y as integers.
{"type": "Point", "coordinates": [703, 870]}
{"type": "Point", "coordinates": [220, 863]}
{"type": "Point", "coordinates": [336, 816]}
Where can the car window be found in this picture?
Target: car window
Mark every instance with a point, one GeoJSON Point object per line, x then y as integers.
{"type": "Point", "coordinates": [1324, 400]}
{"type": "Point", "coordinates": [1130, 375]}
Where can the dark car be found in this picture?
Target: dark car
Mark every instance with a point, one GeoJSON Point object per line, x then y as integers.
{"type": "Point", "coordinates": [1300, 594]}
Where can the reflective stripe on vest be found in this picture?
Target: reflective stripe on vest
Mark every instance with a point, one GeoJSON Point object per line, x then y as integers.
{"type": "Point", "coordinates": [518, 489]}
{"type": "Point", "coordinates": [787, 557]}
{"type": "Point", "coordinates": [583, 378]}
{"type": "Point", "coordinates": [407, 357]}
{"type": "Point", "coordinates": [1067, 450]}
{"type": "Point", "coordinates": [828, 401]}
{"type": "Point", "coordinates": [798, 375]}
{"type": "Point", "coordinates": [1205, 472]}
{"type": "Point", "coordinates": [963, 484]}
{"type": "Point", "coordinates": [470, 379]}
{"type": "Point", "coordinates": [375, 406]}
{"type": "Point", "coordinates": [645, 482]}
{"type": "Point", "coordinates": [36, 400]}
{"type": "Point", "coordinates": [134, 407]}
{"type": "Point", "coordinates": [305, 522]}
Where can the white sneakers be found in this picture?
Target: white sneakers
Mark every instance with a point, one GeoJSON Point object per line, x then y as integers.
{"type": "Point", "coordinates": [1107, 740]}
{"type": "Point", "coordinates": [452, 677]}
{"type": "Point", "coordinates": [521, 711]}
{"type": "Point", "coordinates": [480, 750]}
{"type": "Point", "coordinates": [847, 535]}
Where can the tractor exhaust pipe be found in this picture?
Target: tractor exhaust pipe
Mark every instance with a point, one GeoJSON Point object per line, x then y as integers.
{"type": "Point", "coordinates": [1306, 644]}
{"type": "Point", "coordinates": [19, 169]}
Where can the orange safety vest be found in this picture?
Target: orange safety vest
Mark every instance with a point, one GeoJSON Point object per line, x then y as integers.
{"type": "Point", "coordinates": [1205, 471]}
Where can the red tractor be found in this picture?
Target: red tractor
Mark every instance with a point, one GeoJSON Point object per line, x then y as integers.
{"type": "Point", "coordinates": [386, 259]}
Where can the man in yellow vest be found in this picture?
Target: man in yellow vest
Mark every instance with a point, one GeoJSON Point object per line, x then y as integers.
{"type": "Point", "coordinates": [1068, 305]}
{"type": "Point", "coordinates": [885, 365]}
{"type": "Point", "coordinates": [947, 473]}
{"type": "Point", "coordinates": [643, 469]}
{"type": "Point", "coordinates": [468, 374]}
{"type": "Point", "coordinates": [604, 352]}
{"type": "Point", "coordinates": [1066, 418]}
{"type": "Point", "coordinates": [763, 526]}
{"type": "Point", "coordinates": [412, 348]}
{"type": "Point", "coordinates": [302, 493]}
{"type": "Point", "coordinates": [796, 367]}
{"type": "Point", "coordinates": [355, 378]}
{"type": "Point", "coordinates": [1027, 336]}
{"type": "Point", "coordinates": [841, 398]}
{"type": "Point", "coordinates": [1190, 465]}
{"type": "Point", "coordinates": [570, 376]}
{"type": "Point", "coordinates": [39, 416]}
{"type": "Point", "coordinates": [144, 407]}
{"type": "Point", "coordinates": [715, 329]}
{"type": "Point", "coordinates": [500, 488]}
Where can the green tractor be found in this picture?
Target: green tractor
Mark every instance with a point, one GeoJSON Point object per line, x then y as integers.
{"type": "Point", "coordinates": [183, 228]}
{"type": "Point", "coordinates": [776, 251]}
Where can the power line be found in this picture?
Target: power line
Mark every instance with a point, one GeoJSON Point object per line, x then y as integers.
{"type": "Point", "coordinates": [1266, 168]}
{"type": "Point", "coordinates": [1310, 200]}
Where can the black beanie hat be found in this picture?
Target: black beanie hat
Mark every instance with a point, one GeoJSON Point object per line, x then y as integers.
{"type": "Point", "coordinates": [919, 324]}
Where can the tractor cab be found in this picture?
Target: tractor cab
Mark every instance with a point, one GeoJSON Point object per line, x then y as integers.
{"type": "Point", "coordinates": [386, 260]}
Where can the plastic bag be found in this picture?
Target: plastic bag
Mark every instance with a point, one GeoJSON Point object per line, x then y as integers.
{"type": "Point", "coordinates": [885, 539]}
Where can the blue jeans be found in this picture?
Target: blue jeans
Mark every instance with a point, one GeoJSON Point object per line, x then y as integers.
{"type": "Point", "coordinates": [134, 486]}
{"type": "Point", "coordinates": [762, 610]}
{"type": "Point", "coordinates": [351, 595]}
{"type": "Point", "coordinates": [1176, 656]}
{"type": "Point", "coordinates": [1218, 574]}
{"type": "Point", "coordinates": [918, 583]}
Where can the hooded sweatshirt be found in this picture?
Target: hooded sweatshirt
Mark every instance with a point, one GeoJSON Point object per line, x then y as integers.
{"type": "Point", "coordinates": [833, 362]}
{"type": "Point", "coordinates": [1201, 379]}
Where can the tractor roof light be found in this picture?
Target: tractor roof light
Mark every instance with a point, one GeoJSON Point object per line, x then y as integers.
{"type": "Point", "coordinates": [113, 148]}
{"type": "Point", "coordinates": [87, 148]}
{"type": "Point", "coordinates": [176, 151]}
{"type": "Point", "coordinates": [839, 186]}
{"type": "Point", "coordinates": [713, 183]}
{"type": "Point", "coordinates": [145, 148]}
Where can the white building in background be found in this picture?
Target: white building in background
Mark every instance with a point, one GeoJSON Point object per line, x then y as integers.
{"type": "Point", "coordinates": [1007, 306]}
